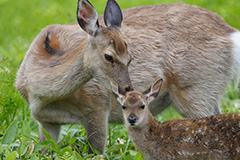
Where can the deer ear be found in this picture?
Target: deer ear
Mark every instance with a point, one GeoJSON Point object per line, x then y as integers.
{"type": "Point", "coordinates": [151, 93]}
{"type": "Point", "coordinates": [118, 92]}
{"type": "Point", "coordinates": [113, 14]}
{"type": "Point", "coordinates": [87, 17]}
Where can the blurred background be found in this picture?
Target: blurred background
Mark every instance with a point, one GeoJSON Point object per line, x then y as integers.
{"type": "Point", "coordinates": [22, 20]}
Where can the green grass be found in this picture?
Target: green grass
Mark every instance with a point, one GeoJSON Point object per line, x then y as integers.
{"type": "Point", "coordinates": [20, 22]}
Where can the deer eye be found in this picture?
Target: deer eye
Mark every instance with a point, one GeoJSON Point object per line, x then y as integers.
{"type": "Point", "coordinates": [142, 107]}
{"type": "Point", "coordinates": [108, 58]}
{"type": "Point", "coordinates": [123, 107]}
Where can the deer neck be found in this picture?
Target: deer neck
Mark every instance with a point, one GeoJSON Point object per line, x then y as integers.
{"type": "Point", "coordinates": [78, 73]}
{"type": "Point", "coordinates": [77, 70]}
{"type": "Point", "coordinates": [66, 78]}
{"type": "Point", "coordinates": [140, 135]}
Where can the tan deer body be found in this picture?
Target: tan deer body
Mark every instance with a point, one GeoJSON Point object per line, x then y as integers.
{"type": "Point", "coordinates": [210, 138]}
{"type": "Point", "coordinates": [192, 49]}
{"type": "Point", "coordinates": [62, 58]}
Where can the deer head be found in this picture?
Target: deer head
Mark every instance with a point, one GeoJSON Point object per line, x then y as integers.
{"type": "Point", "coordinates": [107, 55]}
{"type": "Point", "coordinates": [135, 103]}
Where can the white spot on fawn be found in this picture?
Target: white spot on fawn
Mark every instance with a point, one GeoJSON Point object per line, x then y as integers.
{"type": "Point", "coordinates": [174, 129]}
{"type": "Point", "coordinates": [238, 149]}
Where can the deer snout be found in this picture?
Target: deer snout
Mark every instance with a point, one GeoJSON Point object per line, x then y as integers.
{"type": "Point", "coordinates": [132, 119]}
{"type": "Point", "coordinates": [127, 88]}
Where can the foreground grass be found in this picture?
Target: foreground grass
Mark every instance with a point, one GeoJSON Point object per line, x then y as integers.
{"type": "Point", "coordinates": [20, 24]}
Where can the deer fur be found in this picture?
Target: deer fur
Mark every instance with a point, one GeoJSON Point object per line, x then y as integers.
{"type": "Point", "coordinates": [215, 137]}
{"type": "Point", "coordinates": [194, 50]}
{"type": "Point", "coordinates": [62, 58]}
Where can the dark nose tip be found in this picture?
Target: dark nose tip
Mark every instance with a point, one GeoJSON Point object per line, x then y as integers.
{"type": "Point", "coordinates": [128, 88]}
{"type": "Point", "coordinates": [132, 119]}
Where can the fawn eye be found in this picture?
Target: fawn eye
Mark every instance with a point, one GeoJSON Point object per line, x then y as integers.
{"type": "Point", "coordinates": [123, 107]}
{"type": "Point", "coordinates": [142, 107]}
{"type": "Point", "coordinates": [108, 58]}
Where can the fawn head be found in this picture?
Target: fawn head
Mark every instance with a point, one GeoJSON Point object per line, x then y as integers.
{"type": "Point", "coordinates": [135, 103]}
{"type": "Point", "coordinates": [107, 55]}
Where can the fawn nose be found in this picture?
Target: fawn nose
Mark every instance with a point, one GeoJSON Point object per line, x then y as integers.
{"type": "Point", "coordinates": [132, 119]}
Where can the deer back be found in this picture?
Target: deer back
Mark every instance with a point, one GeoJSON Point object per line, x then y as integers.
{"type": "Point", "coordinates": [206, 138]}
{"type": "Point", "coordinates": [63, 58]}
{"type": "Point", "coordinates": [188, 46]}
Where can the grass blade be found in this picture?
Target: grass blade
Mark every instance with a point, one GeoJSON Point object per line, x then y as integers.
{"type": "Point", "coordinates": [12, 156]}
{"type": "Point", "coordinates": [26, 132]}
{"type": "Point", "coordinates": [10, 133]}
{"type": "Point", "coordinates": [52, 142]}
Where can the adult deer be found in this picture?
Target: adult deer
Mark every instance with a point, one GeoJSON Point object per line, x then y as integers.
{"type": "Point", "coordinates": [194, 50]}
{"type": "Point", "coordinates": [63, 58]}
{"type": "Point", "coordinates": [212, 138]}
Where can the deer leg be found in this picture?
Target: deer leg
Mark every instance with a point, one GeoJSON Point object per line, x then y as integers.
{"type": "Point", "coordinates": [52, 129]}
{"type": "Point", "coordinates": [94, 119]}
{"type": "Point", "coordinates": [51, 117]}
{"type": "Point", "coordinates": [96, 129]}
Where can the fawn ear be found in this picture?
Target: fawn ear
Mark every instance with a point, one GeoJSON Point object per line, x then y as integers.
{"type": "Point", "coordinates": [118, 92]}
{"type": "Point", "coordinates": [87, 17]}
{"type": "Point", "coordinates": [151, 93]}
{"type": "Point", "coordinates": [113, 14]}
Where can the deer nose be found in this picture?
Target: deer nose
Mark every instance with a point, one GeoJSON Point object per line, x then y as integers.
{"type": "Point", "coordinates": [128, 88]}
{"type": "Point", "coordinates": [132, 119]}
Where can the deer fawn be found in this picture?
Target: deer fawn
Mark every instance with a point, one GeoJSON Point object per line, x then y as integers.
{"type": "Point", "coordinates": [215, 137]}
{"type": "Point", "coordinates": [194, 50]}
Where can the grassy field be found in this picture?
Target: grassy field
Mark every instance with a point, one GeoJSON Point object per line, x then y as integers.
{"type": "Point", "coordinates": [20, 22]}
